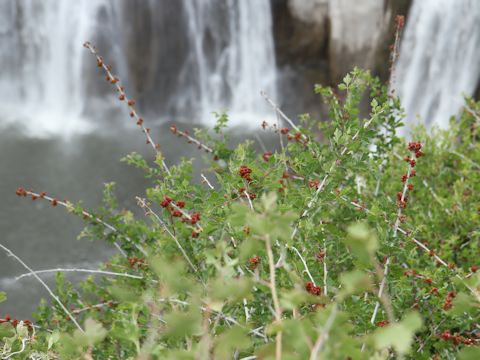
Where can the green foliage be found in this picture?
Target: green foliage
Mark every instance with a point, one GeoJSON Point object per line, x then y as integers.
{"type": "Point", "coordinates": [287, 249]}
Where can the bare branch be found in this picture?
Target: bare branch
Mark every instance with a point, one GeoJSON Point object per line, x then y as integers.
{"type": "Point", "coordinates": [9, 252]}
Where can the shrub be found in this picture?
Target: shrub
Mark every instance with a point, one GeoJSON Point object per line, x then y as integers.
{"type": "Point", "coordinates": [356, 246]}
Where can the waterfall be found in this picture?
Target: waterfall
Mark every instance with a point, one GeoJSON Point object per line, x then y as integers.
{"type": "Point", "coordinates": [439, 59]}
{"type": "Point", "coordinates": [178, 58]}
{"type": "Point", "coordinates": [233, 55]}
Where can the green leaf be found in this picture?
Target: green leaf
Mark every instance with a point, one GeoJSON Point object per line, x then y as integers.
{"type": "Point", "coordinates": [232, 289]}
{"type": "Point", "coordinates": [398, 335]}
{"type": "Point", "coordinates": [6, 330]}
{"type": "Point", "coordinates": [181, 324]}
{"type": "Point", "coordinates": [3, 296]}
{"type": "Point", "coordinates": [362, 241]}
{"type": "Point", "coordinates": [94, 332]}
{"type": "Point", "coordinates": [463, 303]}
{"type": "Point", "coordinates": [354, 282]}
{"type": "Point", "coordinates": [236, 338]}
{"type": "Point", "coordinates": [470, 353]}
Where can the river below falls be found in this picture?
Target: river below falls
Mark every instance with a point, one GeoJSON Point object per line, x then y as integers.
{"type": "Point", "coordinates": [75, 169]}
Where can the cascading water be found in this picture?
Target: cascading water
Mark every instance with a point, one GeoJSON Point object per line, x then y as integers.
{"type": "Point", "coordinates": [233, 55]}
{"type": "Point", "coordinates": [198, 57]}
{"type": "Point", "coordinates": [44, 85]}
{"type": "Point", "coordinates": [439, 59]}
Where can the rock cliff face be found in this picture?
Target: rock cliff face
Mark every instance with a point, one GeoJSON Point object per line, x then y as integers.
{"type": "Point", "coordinates": [318, 41]}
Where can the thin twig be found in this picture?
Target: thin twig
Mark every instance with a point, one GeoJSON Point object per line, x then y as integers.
{"type": "Point", "coordinates": [70, 207]}
{"type": "Point", "coordinates": [22, 349]}
{"type": "Point", "coordinates": [325, 272]}
{"type": "Point", "coordinates": [324, 334]}
{"type": "Point", "coordinates": [9, 252]}
{"type": "Point", "coordinates": [304, 265]}
{"type": "Point", "coordinates": [148, 211]}
{"type": "Point", "coordinates": [276, 302]}
{"type": "Point", "coordinates": [380, 291]}
{"type": "Point", "coordinates": [96, 306]}
{"type": "Point", "coordinates": [190, 139]}
{"type": "Point", "coordinates": [280, 112]}
{"type": "Point", "coordinates": [248, 198]}
{"type": "Point", "coordinates": [131, 103]}
{"type": "Point", "coordinates": [205, 180]}
{"type": "Point", "coordinates": [101, 272]}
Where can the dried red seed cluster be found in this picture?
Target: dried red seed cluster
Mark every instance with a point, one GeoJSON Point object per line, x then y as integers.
{"type": "Point", "coordinates": [174, 208]}
{"type": "Point", "coordinates": [191, 140]}
{"type": "Point", "coordinates": [136, 262]}
{"type": "Point", "coordinates": [21, 192]}
{"type": "Point", "coordinates": [448, 300]}
{"type": "Point", "coordinates": [400, 21]}
{"type": "Point", "coordinates": [250, 195]}
{"type": "Point", "coordinates": [194, 218]}
{"type": "Point", "coordinates": [166, 201]}
{"type": "Point", "coordinates": [313, 183]}
{"type": "Point", "coordinates": [411, 273]}
{"type": "Point", "coordinates": [415, 147]}
{"type": "Point", "coordinates": [320, 255]}
{"type": "Point", "coordinates": [298, 137]}
{"type": "Point", "coordinates": [382, 323]}
{"type": "Point", "coordinates": [14, 322]}
{"type": "Point", "coordinates": [312, 289]}
{"type": "Point", "coordinates": [267, 155]}
{"type": "Point", "coordinates": [474, 268]}
{"type": "Point", "coordinates": [245, 173]}
{"type": "Point", "coordinates": [253, 262]}
{"type": "Point", "coordinates": [457, 339]}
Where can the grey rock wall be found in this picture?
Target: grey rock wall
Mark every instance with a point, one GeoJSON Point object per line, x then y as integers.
{"type": "Point", "coordinates": [319, 41]}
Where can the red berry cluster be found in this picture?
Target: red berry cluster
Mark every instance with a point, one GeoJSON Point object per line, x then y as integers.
{"type": "Point", "coordinates": [400, 21]}
{"type": "Point", "coordinates": [414, 147]}
{"type": "Point", "coordinates": [312, 289]}
{"type": "Point", "coordinates": [447, 305]}
{"type": "Point", "coordinates": [313, 183]}
{"type": "Point", "coordinates": [191, 140]}
{"type": "Point", "coordinates": [253, 262]}
{"type": "Point", "coordinates": [174, 208]}
{"type": "Point", "coordinates": [298, 137]}
{"type": "Point", "coordinates": [166, 201]}
{"type": "Point", "coordinates": [21, 192]}
{"type": "Point", "coordinates": [267, 155]}
{"type": "Point", "coordinates": [382, 323]}
{"type": "Point", "coordinates": [136, 262]}
{"type": "Point", "coordinates": [244, 194]}
{"type": "Point", "coordinates": [194, 218]}
{"type": "Point", "coordinates": [457, 339]}
{"type": "Point", "coordinates": [282, 181]}
{"type": "Point", "coordinates": [245, 173]}
{"type": "Point", "coordinates": [474, 268]}
{"type": "Point", "coordinates": [14, 322]}
{"type": "Point", "coordinates": [320, 256]}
